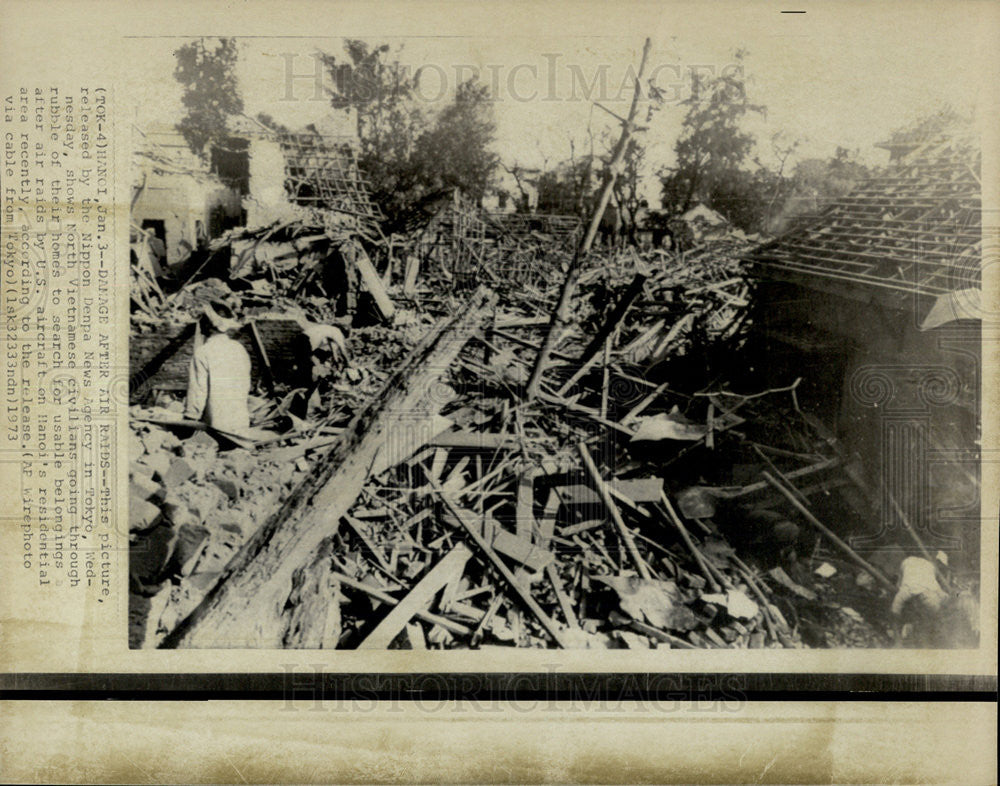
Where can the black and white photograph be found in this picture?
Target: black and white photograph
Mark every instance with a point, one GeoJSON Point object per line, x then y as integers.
{"type": "Point", "coordinates": [594, 343]}
{"type": "Point", "coordinates": [432, 391]}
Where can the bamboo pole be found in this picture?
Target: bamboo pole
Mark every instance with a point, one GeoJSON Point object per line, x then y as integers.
{"type": "Point", "coordinates": [609, 503]}
{"type": "Point", "coordinates": [561, 312]}
{"type": "Point", "coordinates": [876, 573]}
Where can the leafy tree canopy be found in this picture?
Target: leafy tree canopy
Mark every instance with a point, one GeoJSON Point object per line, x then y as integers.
{"type": "Point", "coordinates": [211, 92]}
{"type": "Point", "coordinates": [407, 152]}
{"type": "Point", "coordinates": [712, 148]}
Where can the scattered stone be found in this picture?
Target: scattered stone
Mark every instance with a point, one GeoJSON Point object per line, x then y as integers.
{"type": "Point", "coordinates": [202, 500]}
{"type": "Point", "coordinates": [149, 555]}
{"type": "Point", "coordinates": [188, 547]}
{"type": "Point", "coordinates": [694, 581]}
{"type": "Point", "coordinates": [152, 440]}
{"type": "Point", "coordinates": [176, 511]}
{"type": "Point", "coordinates": [215, 557]}
{"type": "Point", "coordinates": [241, 462]}
{"type": "Point", "coordinates": [180, 470]}
{"type": "Point", "coordinates": [135, 446]}
{"type": "Point", "coordinates": [826, 570]}
{"type": "Point", "coordinates": [865, 580]}
{"type": "Point", "coordinates": [199, 444]}
{"type": "Point", "coordinates": [159, 462]}
{"type": "Point", "coordinates": [232, 528]}
{"type": "Point", "coordinates": [142, 514]}
{"type": "Point", "coordinates": [135, 469]}
{"type": "Point", "coordinates": [228, 487]}
{"type": "Point", "coordinates": [145, 488]}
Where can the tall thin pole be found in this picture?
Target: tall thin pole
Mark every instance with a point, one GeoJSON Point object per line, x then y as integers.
{"type": "Point", "coordinates": [561, 312]}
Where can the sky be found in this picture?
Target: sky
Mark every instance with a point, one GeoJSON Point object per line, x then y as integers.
{"type": "Point", "coordinates": [842, 75]}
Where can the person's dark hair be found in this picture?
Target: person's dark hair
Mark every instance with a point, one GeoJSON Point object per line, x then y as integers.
{"type": "Point", "coordinates": [223, 310]}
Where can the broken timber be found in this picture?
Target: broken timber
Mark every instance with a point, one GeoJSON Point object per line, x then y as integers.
{"type": "Point", "coordinates": [355, 254]}
{"type": "Point", "coordinates": [603, 336]}
{"type": "Point", "coordinates": [561, 313]}
{"type": "Point", "coordinates": [557, 633]}
{"type": "Point", "coordinates": [249, 605]}
{"type": "Point", "coordinates": [418, 599]}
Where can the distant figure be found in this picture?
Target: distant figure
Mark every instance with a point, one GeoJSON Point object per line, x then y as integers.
{"type": "Point", "coordinates": [219, 375]}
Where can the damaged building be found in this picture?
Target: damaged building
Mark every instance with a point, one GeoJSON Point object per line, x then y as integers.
{"type": "Point", "coordinates": [875, 303]}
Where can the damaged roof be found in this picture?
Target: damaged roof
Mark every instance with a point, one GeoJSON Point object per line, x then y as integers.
{"type": "Point", "coordinates": [913, 229]}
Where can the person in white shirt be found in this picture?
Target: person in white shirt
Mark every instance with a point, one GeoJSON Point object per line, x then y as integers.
{"type": "Point", "coordinates": [219, 374]}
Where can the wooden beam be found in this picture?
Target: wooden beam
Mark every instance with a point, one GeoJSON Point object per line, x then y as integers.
{"type": "Point", "coordinates": [384, 597]}
{"type": "Point", "coordinates": [561, 597]}
{"type": "Point", "coordinates": [370, 276]}
{"type": "Point", "coordinates": [609, 503]}
{"type": "Point", "coordinates": [561, 312]}
{"type": "Point", "coordinates": [807, 514]}
{"type": "Point", "coordinates": [689, 542]}
{"type": "Point", "coordinates": [603, 335]}
{"type": "Point", "coordinates": [524, 509]}
{"type": "Point", "coordinates": [586, 412]}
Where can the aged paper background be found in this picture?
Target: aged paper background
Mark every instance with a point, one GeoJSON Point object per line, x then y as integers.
{"type": "Point", "coordinates": [76, 622]}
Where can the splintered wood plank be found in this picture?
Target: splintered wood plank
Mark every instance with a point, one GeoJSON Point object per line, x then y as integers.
{"type": "Point", "coordinates": [415, 634]}
{"type": "Point", "coordinates": [616, 517]}
{"type": "Point", "coordinates": [387, 599]}
{"type": "Point", "coordinates": [524, 516]}
{"type": "Point", "coordinates": [372, 281]}
{"type": "Point", "coordinates": [601, 339]}
{"type": "Point", "coordinates": [372, 549]}
{"type": "Point", "coordinates": [437, 465]}
{"type": "Point", "coordinates": [474, 440]}
{"type": "Point", "coordinates": [561, 596]}
{"type": "Point", "coordinates": [547, 521]}
{"type": "Point", "coordinates": [531, 555]}
{"type": "Point", "coordinates": [418, 599]}
{"type": "Point", "coordinates": [638, 490]}
{"type": "Point", "coordinates": [470, 527]}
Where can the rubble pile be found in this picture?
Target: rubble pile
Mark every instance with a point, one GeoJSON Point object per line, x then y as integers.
{"type": "Point", "coordinates": [625, 505]}
{"type": "Point", "coordinates": [555, 533]}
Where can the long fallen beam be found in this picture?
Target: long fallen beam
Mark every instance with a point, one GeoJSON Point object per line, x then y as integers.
{"type": "Point", "coordinates": [248, 606]}
{"type": "Point", "coordinates": [830, 534]}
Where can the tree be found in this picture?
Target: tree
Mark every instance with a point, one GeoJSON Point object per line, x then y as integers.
{"type": "Point", "coordinates": [569, 187]}
{"type": "Point", "coordinates": [405, 152]}
{"type": "Point", "coordinates": [211, 92]}
{"type": "Point", "coordinates": [387, 120]}
{"type": "Point", "coordinates": [523, 200]}
{"type": "Point", "coordinates": [750, 199]}
{"type": "Point", "coordinates": [628, 198]}
{"type": "Point", "coordinates": [712, 147]}
{"type": "Point", "coordinates": [817, 181]}
{"type": "Point", "coordinates": [455, 151]}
